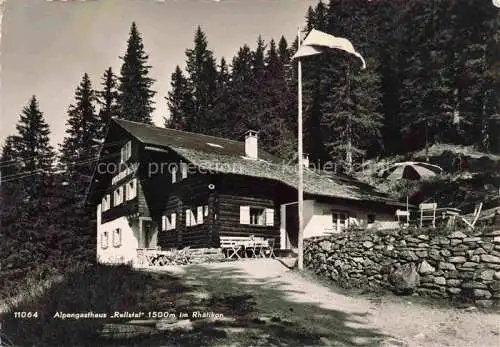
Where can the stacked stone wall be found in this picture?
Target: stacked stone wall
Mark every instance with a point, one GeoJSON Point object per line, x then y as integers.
{"type": "Point", "coordinates": [460, 265]}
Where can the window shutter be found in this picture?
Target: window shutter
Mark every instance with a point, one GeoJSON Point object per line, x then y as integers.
{"type": "Point", "coordinates": [118, 196]}
{"type": "Point", "coordinates": [205, 211]}
{"type": "Point", "coordinates": [244, 214]}
{"type": "Point", "coordinates": [269, 216]}
{"type": "Point", "coordinates": [174, 174]}
{"type": "Point", "coordinates": [133, 188]}
{"type": "Point", "coordinates": [188, 218]}
{"type": "Point", "coordinates": [199, 215]}
{"type": "Point", "coordinates": [163, 222]}
{"type": "Point", "coordinates": [172, 220]}
{"type": "Point", "coordinates": [184, 172]}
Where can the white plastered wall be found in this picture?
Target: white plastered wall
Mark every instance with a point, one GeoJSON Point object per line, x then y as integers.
{"type": "Point", "coordinates": [117, 253]}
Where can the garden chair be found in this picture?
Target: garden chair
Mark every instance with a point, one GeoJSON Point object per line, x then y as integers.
{"type": "Point", "coordinates": [270, 248]}
{"type": "Point", "coordinates": [428, 213]}
{"type": "Point", "coordinates": [403, 217]}
{"type": "Point", "coordinates": [251, 246]}
{"type": "Point", "coordinates": [475, 216]}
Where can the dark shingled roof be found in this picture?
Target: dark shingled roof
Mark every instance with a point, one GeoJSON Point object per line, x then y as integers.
{"type": "Point", "coordinates": [219, 155]}
{"type": "Point", "coordinates": [166, 137]}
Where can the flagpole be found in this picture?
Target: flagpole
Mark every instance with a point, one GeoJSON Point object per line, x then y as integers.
{"type": "Point", "coordinates": [300, 198]}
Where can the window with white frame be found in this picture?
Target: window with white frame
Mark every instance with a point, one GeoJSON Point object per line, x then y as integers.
{"type": "Point", "coordinates": [340, 220]}
{"type": "Point", "coordinates": [106, 203]}
{"type": "Point", "coordinates": [104, 239]}
{"type": "Point", "coordinates": [256, 216]}
{"type": "Point", "coordinates": [117, 237]}
{"type": "Point", "coordinates": [118, 196]}
{"type": "Point", "coordinates": [131, 189]}
{"type": "Point", "coordinates": [126, 152]}
{"type": "Point", "coordinates": [174, 173]}
{"type": "Point", "coordinates": [169, 223]}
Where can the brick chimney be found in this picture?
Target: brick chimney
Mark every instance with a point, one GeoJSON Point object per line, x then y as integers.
{"type": "Point", "coordinates": [251, 144]}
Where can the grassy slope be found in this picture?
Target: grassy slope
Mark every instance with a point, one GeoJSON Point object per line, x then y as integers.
{"type": "Point", "coordinates": [96, 289]}
{"type": "Point", "coordinates": [119, 288]}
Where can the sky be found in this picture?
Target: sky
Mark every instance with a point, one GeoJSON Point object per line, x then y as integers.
{"type": "Point", "coordinates": [46, 46]}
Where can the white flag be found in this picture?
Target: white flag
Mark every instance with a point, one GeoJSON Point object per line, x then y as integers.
{"type": "Point", "coordinates": [317, 42]}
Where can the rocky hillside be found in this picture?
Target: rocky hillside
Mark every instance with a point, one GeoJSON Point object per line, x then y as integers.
{"type": "Point", "coordinates": [468, 177]}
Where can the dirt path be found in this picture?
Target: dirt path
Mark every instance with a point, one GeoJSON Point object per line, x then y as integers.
{"type": "Point", "coordinates": [284, 308]}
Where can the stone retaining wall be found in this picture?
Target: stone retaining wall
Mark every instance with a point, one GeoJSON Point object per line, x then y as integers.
{"type": "Point", "coordinates": [459, 265]}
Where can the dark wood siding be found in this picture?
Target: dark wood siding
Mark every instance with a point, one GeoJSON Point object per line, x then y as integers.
{"type": "Point", "coordinates": [236, 191]}
{"type": "Point", "coordinates": [188, 193]}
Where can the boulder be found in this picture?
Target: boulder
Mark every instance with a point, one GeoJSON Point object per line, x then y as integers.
{"type": "Point", "coordinates": [425, 268]}
{"type": "Point", "coordinates": [447, 266]}
{"type": "Point", "coordinates": [445, 253]}
{"type": "Point", "coordinates": [405, 279]}
{"type": "Point", "coordinates": [482, 294]}
{"type": "Point", "coordinates": [457, 235]}
{"type": "Point", "coordinates": [459, 260]}
{"type": "Point", "coordinates": [408, 255]}
{"type": "Point", "coordinates": [440, 281]}
{"type": "Point", "coordinates": [490, 258]}
{"type": "Point", "coordinates": [368, 244]}
{"type": "Point", "coordinates": [485, 275]}
{"type": "Point", "coordinates": [453, 283]}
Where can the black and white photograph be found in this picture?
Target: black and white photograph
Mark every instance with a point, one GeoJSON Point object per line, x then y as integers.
{"type": "Point", "coordinates": [250, 173]}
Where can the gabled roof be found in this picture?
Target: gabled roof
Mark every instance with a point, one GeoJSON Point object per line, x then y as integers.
{"type": "Point", "coordinates": [219, 155]}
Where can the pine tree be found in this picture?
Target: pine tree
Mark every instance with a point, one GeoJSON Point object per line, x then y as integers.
{"type": "Point", "coordinates": [80, 147]}
{"type": "Point", "coordinates": [389, 39]}
{"type": "Point", "coordinates": [180, 103]}
{"type": "Point", "coordinates": [32, 144]}
{"type": "Point", "coordinates": [278, 134]}
{"type": "Point", "coordinates": [11, 187]}
{"type": "Point", "coordinates": [427, 99]}
{"type": "Point", "coordinates": [107, 98]}
{"type": "Point", "coordinates": [475, 53]}
{"type": "Point", "coordinates": [135, 97]}
{"type": "Point", "coordinates": [28, 190]}
{"type": "Point", "coordinates": [258, 64]}
{"type": "Point", "coordinates": [342, 103]}
{"type": "Point", "coordinates": [73, 229]}
{"type": "Point", "coordinates": [202, 76]}
{"type": "Point", "coordinates": [241, 103]}
{"type": "Point", "coordinates": [219, 117]}
{"type": "Point", "coordinates": [223, 75]}
{"type": "Point", "coordinates": [9, 162]}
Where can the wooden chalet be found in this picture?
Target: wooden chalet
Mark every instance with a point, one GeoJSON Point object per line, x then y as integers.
{"type": "Point", "coordinates": [163, 188]}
